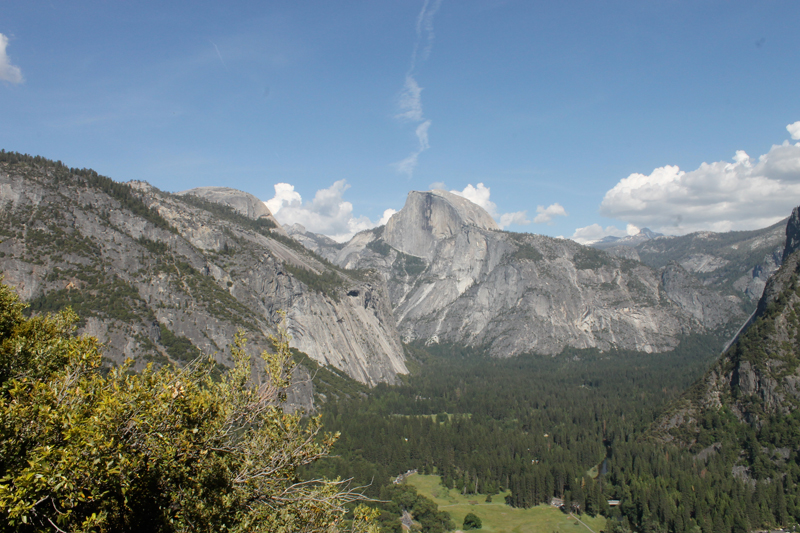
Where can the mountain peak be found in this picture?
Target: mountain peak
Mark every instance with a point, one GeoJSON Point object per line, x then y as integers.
{"type": "Point", "coordinates": [431, 216]}
{"type": "Point", "coordinates": [242, 202]}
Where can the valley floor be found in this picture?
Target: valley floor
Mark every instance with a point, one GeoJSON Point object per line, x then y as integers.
{"type": "Point", "coordinates": [497, 517]}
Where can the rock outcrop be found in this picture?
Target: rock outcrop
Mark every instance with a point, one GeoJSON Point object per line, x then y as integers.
{"type": "Point", "coordinates": [157, 277]}
{"type": "Point", "coordinates": [759, 375]}
{"type": "Point", "coordinates": [736, 263]}
{"type": "Point", "coordinates": [430, 217]}
{"type": "Point", "coordinates": [242, 202]}
{"type": "Point", "coordinates": [453, 276]}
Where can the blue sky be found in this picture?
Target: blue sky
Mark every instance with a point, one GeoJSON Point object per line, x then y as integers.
{"type": "Point", "coordinates": [577, 119]}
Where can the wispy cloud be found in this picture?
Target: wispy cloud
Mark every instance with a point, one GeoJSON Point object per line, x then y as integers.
{"type": "Point", "coordinates": [8, 72]}
{"type": "Point", "coordinates": [410, 100]}
{"type": "Point", "coordinates": [219, 55]}
{"type": "Point", "coordinates": [425, 31]}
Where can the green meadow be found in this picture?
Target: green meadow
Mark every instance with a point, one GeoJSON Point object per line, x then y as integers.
{"type": "Point", "coordinates": [497, 517]}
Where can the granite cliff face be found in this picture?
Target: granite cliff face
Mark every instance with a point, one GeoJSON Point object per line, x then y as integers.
{"type": "Point", "coordinates": [454, 277]}
{"type": "Point", "coordinates": [759, 375]}
{"type": "Point", "coordinates": [429, 218]}
{"type": "Point", "coordinates": [734, 263]}
{"type": "Point", "coordinates": [158, 276]}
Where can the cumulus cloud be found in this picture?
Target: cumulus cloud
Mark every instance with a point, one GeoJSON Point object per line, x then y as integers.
{"type": "Point", "coordinates": [480, 195]}
{"type": "Point", "coordinates": [8, 72]}
{"type": "Point", "coordinates": [595, 232]}
{"type": "Point", "coordinates": [387, 214]}
{"type": "Point", "coordinates": [744, 194]}
{"type": "Point", "coordinates": [328, 213]}
{"type": "Point", "coordinates": [794, 130]}
{"type": "Point", "coordinates": [545, 215]}
{"type": "Point", "coordinates": [285, 196]}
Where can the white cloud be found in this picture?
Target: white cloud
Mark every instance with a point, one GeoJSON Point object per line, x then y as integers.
{"type": "Point", "coordinates": [8, 72]}
{"type": "Point", "coordinates": [425, 31]}
{"type": "Point", "coordinates": [328, 213]}
{"type": "Point", "coordinates": [410, 101]}
{"type": "Point", "coordinates": [409, 164]}
{"type": "Point", "coordinates": [285, 195]}
{"type": "Point", "coordinates": [480, 195]}
{"type": "Point", "coordinates": [386, 216]}
{"type": "Point", "coordinates": [545, 214]}
{"type": "Point", "coordinates": [519, 218]}
{"type": "Point", "coordinates": [794, 130]}
{"type": "Point", "coordinates": [721, 196]}
{"type": "Point", "coordinates": [437, 185]}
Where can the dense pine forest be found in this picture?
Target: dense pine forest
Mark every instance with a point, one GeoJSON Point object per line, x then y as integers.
{"type": "Point", "coordinates": [575, 426]}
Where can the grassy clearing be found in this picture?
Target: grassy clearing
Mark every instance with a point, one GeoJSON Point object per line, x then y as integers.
{"type": "Point", "coordinates": [497, 517]}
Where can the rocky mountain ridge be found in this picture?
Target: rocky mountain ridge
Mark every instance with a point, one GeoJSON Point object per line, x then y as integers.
{"type": "Point", "coordinates": [737, 262]}
{"type": "Point", "coordinates": [758, 377]}
{"type": "Point", "coordinates": [161, 277]}
{"type": "Point", "coordinates": [453, 276]}
{"type": "Point", "coordinates": [167, 274]}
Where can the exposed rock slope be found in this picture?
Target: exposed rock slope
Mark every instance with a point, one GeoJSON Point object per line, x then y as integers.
{"type": "Point", "coordinates": [158, 276]}
{"type": "Point", "coordinates": [453, 276]}
{"type": "Point", "coordinates": [759, 375]}
{"type": "Point", "coordinates": [737, 262]}
{"type": "Point", "coordinates": [242, 202]}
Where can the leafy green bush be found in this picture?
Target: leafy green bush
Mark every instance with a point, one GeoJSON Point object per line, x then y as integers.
{"type": "Point", "coordinates": [471, 521]}
{"type": "Point", "coordinates": [165, 450]}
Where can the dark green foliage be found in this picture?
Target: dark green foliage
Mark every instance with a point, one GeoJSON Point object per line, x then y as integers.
{"type": "Point", "coordinates": [408, 265]}
{"type": "Point", "coordinates": [330, 382]}
{"type": "Point", "coordinates": [587, 258]}
{"type": "Point", "coordinates": [525, 250]}
{"type": "Point", "coordinates": [328, 282]}
{"type": "Point", "coordinates": [572, 426]}
{"type": "Point", "coordinates": [503, 409]}
{"type": "Point", "coordinates": [471, 521]}
{"type": "Point", "coordinates": [121, 192]}
{"type": "Point", "coordinates": [103, 296]}
{"type": "Point", "coordinates": [156, 248]}
{"type": "Point", "coordinates": [402, 497]}
{"type": "Point", "coordinates": [178, 347]}
{"type": "Point", "coordinates": [379, 246]}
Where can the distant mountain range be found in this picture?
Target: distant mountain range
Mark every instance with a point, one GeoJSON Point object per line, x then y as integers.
{"type": "Point", "coordinates": [644, 234]}
{"type": "Point", "coordinates": [159, 276]}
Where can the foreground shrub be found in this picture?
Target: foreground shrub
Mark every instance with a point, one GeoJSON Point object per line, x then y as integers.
{"type": "Point", "coordinates": [163, 450]}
